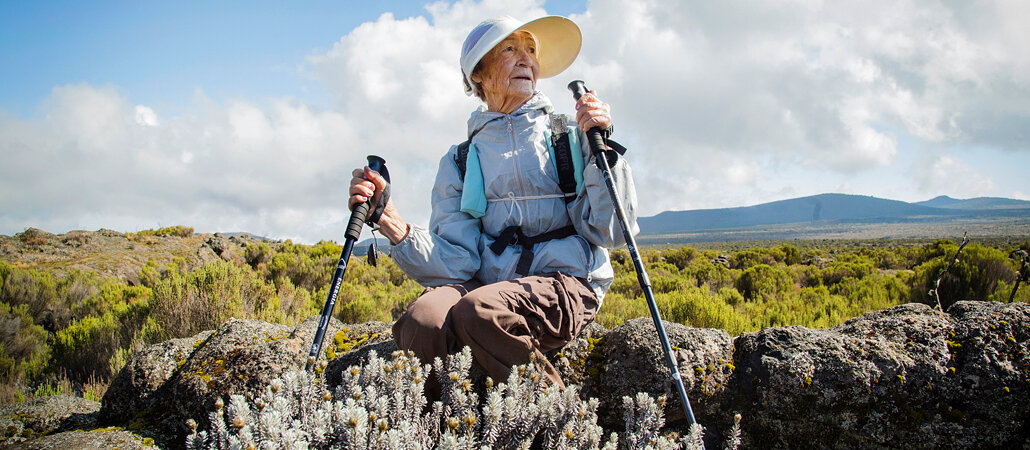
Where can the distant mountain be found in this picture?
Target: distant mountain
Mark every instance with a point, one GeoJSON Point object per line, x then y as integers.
{"type": "Point", "coordinates": [830, 208]}
{"type": "Point", "coordinates": [942, 201]}
{"type": "Point", "coordinates": [975, 203]}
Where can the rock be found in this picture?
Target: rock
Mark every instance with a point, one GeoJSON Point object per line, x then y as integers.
{"type": "Point", "coordinates": [217, 243]}
{"type": "Point", "coordinates": [880, 380]}
{"type": "Point", "coordinates": [135, 390]}
{"type": "Point", "coordinates": [23, 421]}
{"type": "Point", "coordinates": [206, 255]}
{"type": "Point", "coordinates": [36, 237]}
{"type": "Point", "coordinates": [105, 438]}
{"type": "Point", "coordinates": [572, 360]}
{"type": "Point", "coordinates": [352, 344]}
{"type": "Point", "coordinates": [632, 360]}
{"type": "Point", "coordinates": [188, 375]}
{"type": "Point", "coordinates": [721, 260]}
{"type": "Point", "coordinates": [908, 376]}
{"type": "Point", "coordinates": [986, 400]}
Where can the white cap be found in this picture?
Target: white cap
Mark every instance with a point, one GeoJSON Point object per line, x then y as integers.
{"type": "Point", "coordinates": [558, 41]}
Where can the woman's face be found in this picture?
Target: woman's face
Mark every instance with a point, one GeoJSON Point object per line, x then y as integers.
{"type": "Point", "coordinates": [508, 73]}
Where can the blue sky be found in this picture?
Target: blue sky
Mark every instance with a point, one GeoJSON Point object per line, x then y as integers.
{"type": "Point", "coordinates": [157, 53]}
{"type": "Point", "coordinates": [250, 115]}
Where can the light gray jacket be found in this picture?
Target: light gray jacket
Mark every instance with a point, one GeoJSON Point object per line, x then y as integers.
{"type": "Point", "coordinates": [521, 187]}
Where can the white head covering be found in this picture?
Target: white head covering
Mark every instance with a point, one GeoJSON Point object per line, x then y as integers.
{"type": "Point", "coordinates": [558, 41]}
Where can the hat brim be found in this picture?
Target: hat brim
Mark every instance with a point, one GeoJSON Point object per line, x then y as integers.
{"type": "Point", "coordinates": [558, 43]}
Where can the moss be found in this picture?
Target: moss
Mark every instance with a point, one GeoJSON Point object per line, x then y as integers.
{"type": "Point", "coordinates": [101, 430]}
{"type": "Point", "coordinates": [276, 338]}
{"type": "Point", "coordinates": [914, 416]}
{"type": "Point", "coordinates": [148, 442]}
{"type": "Point", "coordinates": [952, 414]}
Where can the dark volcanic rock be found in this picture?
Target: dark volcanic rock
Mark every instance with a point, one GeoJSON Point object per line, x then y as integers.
{"type": "Point", "coordinates": [351, 345]}
{"type": "Point", "coordinates": [135, 389]}
{"type": "Point", "coordinates": [22, 421]}
{"type": "Point", "coordinates": [632, 360]}
{"type": "Point", "coordinates": [908, 376]}
{"type": "Point", "coordinates": [100, 439]}
{"type": "Point", "coordinates": [574, 359]}
{"type": "Point", "coordinates": [183, 379]}
{"type": "Point", "coordinates": [884, 380]}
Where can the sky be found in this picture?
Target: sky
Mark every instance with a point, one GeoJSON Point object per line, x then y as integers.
{"type": "Point", "coordinates": [250, 116]}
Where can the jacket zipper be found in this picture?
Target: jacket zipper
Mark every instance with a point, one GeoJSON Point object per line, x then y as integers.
{"type": "Point", "coordinates": [515, 160]}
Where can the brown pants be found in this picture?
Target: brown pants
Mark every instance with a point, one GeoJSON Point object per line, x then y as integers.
{"type": "Point", "coordinates": [502, 323]}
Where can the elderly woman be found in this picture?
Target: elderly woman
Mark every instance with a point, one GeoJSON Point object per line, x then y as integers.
{"type": "Point", "coordinates": [514, 265]}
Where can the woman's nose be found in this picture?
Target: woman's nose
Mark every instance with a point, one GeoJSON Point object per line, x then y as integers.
{"type": "Point", "coordinates": [523, 58]}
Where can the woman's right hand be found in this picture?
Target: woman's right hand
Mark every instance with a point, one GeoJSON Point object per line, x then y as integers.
{"type": "Point", "coordinates": [367, 184]}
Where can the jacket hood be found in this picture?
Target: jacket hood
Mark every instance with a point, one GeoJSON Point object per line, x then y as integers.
{"type": "Point", "coordinates": [480, 117]}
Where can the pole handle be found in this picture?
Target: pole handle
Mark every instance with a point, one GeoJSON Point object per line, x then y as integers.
{"type": "Point", "coordinates": [594, 137]}
{"type": "Point", "coordinates": [360, 211]}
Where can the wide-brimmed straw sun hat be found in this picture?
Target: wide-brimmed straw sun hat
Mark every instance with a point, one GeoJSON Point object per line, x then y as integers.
{"type": "Point", "coordinates": [558, 42]}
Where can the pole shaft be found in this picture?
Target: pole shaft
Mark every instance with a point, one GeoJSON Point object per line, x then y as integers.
{"type": "Point", "coordinates": [597, 147]}
{"type": "Point", "coordinates": [330, 303]}
{"type": "Point", "coordinates": [645, 285]}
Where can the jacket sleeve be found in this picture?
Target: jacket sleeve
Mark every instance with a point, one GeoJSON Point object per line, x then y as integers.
{"type": "Point", "coordinates": [593, 213]}
{"type": "Point", "coordinates": [448, 251]}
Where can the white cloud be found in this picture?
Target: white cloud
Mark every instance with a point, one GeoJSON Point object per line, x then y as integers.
{"type": "Point", "coordinates": [711, 98]}
{"type": "Point", "coordinates": [743, 172]}
{"type": "Point", "coordinates": [145, 116]}
{"type": "Point", "coordinates": [952, 175]}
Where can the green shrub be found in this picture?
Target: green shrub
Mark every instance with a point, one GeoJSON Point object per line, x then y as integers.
{"type": "Point", "coordinates": [203, 298]}
{"type": "Point", "coordinates": [177, 230]}
{"type": "Point", "coordinates": [764, 283]}
{"type": "Point", "coordinates": [695, 307]}
{"type": "Point", "coordinates": [975, 276]}
{"type": "Point", "coordinates": [746, 259]}
{"type": "Point", "coordinates": [24, 351]}
{"type": "Point", "coordinates": [841, 270]}
{"type": "Point", "coordinates": [88, 347]}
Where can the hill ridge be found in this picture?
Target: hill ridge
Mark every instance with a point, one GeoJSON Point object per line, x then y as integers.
{"type": "Point", "coordinates": [831, 208]}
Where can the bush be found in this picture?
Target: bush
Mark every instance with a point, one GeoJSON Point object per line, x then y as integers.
{"type": "Point", "coordinates": [177, 230]}
{"type": "Point", "coordinates": [202, 299]}
{"type": "Point", "coordinates": [764, 283]}
{"type": "Point", "coordinates": [24, 350]}
{"type": "Point", "coordinates": [695, 307]}
{"type": "Point", "coordinates": [975, 276]}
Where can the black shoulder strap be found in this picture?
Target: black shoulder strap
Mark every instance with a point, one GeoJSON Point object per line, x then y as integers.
{"type": "Point", "coordinates": [460, 157]}
{"type": "Point", "coordinates": [563, 155]}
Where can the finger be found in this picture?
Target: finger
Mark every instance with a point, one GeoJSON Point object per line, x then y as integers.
{"type": "Point", "coordinates": [589, 97]}
{"type": "Point", "coordinates": [593, 118]}
{"type": "Point", "coordinates": [375, 178]}
{"type": "Point", "coordinates": [354, 200]}
{"type": "Point", "coordinates": [364, 190]}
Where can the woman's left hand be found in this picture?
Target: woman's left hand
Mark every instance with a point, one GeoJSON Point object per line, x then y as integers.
{"type": "Point", "coordinates": [592, 112]}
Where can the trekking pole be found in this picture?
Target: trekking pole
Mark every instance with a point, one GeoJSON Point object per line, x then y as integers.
{"type": "Point", "coordinates": [597, 147]}
{"type": "Point", "coordinates": [1024, 271]}
{"type": "Point", "coordinates": [937, 284]}
{"type": "Point", "coordinates": [357, 219]}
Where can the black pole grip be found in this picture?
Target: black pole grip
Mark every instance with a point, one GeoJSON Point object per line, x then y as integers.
{"type": "Point", "coordinates": [594, 137]}
{"type": "Point", "coordinates": [360, 211]}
